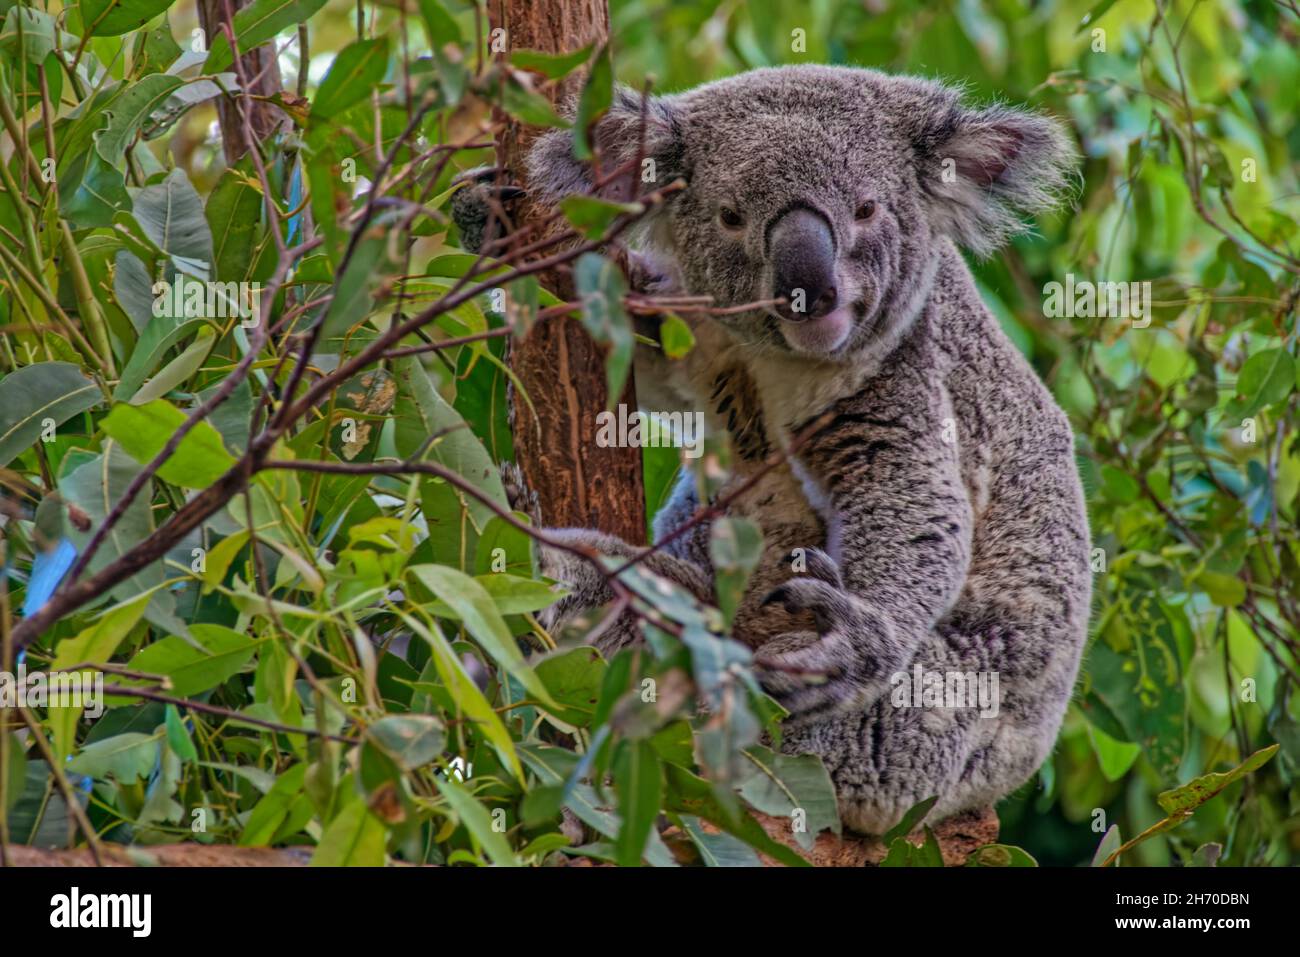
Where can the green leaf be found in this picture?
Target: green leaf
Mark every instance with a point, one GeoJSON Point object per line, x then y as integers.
{"type": "Point", "coordinates": [1182, 801]}
{"type": "Point", "coordinates": [179, 370]}
{"type": "Point", "coordinates": [903, 853]}
{"type": "Point", "coordinates": [219, 558]}
{"type": "Point", "coordinates": [154, 50]}
{"type": "Point", "coordinates": [157, 339]}
{"type": "Point", "coordinates": [1119, 486]}
{"type": "Point", "coordinates": [170, 214]}
{"type": "Point", "coordinates": [273, 807]}
{"type": "Point", "coordinates": [91, 190]}
{"type": "Point", "coordinates": [735, 546]}
{"type": "Point", "coordinates": [675, 337]}
{"type": "Point", "coordinates": [257, 23]}
{"type": "Point", "coordinates": [1111, 842]}
{"type": "Point", "coordinates": [224, 653]}
{"type": "Point", "coordinates": [354, 290]}
{"type": "Point", "coordinates": [528, 106]}
{"type": "Point", "coordinates": [511, 594]}
{"type": "Point", "coordinates": [94, 644]}
{"type": "Point", "coordinates": [420, 413]}
{"type": "Point", "coordinates": [573, 679]}
{"type": "Point", "coordinates": [553, 766]}
{"type": "Point", "coordinates": [112, 18]}
{"type": "Point", "coordinates": [411, 740]}
{"type": "Point", "coordinates": [129, 111]}
{"type": "Point", "coordinates": [1226, 591]}
{"type": "Point", "coordinates": [601, 287]}
{"type": "Point", "coordinates": [478, 822]}
{"type": "Point", "coordinates": [234, 215]}
{"type": "Point", "coordinates": [143, 431]}
{"type": "Point", "coordinates": [475, 607]}
{"type": "Point", "coordinates": [355, 838]}
{"type": "Point", "coordinates": [596, 97]}
{"type": "Point", "coordinates": [35, 395]}
{"type": "Point", "coordinates": [36, 29]}
{"type": "Point", "coordinates": [1092, 16]}
{"type": "Point", "coordinates": [1149, 704]}
{"type": "Point", "coordinates": [591, 216]}
{"type": "Point", "coordinates": [719, 850]}
{"type": "Point", "coordinates": [178, 737]}
{"type": "Point", "coordinates": [688, 793]}
{"type": "Point", "coordinates": [503, 550]}
{"type": "Point", "coordinates": [1267, 378]}
{"type": "Point", "coordinates": [1000, 855]}
{"type": "Point", "coordinates": [785, 785]}
{"type": "Point", "coordinates": [124, 757]}
{"type": "Point", "coordinates": [467, 696]}
{"type": "Point", "coordinates": [355, 72]}
{"type": "Point", "coordinates": [914, 816]}
{"type": "Point", "coordinates": [550, 65]}
{"type": "Point", "coordinates": [440, 25]}
{"type": "Point", "coordinates": [638, 781]}
{"type": "Point", "coordinates": [1114, 757]}
{"type": "Point", "coordinates": [95, 487]}
{"type": "Point", "coordinates": [13, 788]}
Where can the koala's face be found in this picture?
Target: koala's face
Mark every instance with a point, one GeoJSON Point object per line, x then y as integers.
{"type": "Point", "coordinates": [802, 198]}
{"type": "Point", "coordinates": [815, 196]}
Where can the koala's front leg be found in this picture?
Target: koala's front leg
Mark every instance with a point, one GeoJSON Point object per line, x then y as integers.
{"type": "Point", "coordinates": [898, 548]}
{"type": "Point", "coordinates": [589, 588]}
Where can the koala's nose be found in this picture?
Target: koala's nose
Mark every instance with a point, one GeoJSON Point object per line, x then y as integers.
{"type": "Point", "coordinates": [802, 248]}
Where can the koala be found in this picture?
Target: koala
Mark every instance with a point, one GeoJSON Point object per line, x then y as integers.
{"type": "Point", "coordinates": [937, 509]}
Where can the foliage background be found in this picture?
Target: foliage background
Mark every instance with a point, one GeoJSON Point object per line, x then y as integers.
{"type": "Point", "coordinates": [1187, 121]}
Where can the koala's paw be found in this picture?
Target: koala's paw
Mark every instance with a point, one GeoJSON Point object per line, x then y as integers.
{"type": "Point", "coordinates": [814, 674]}
{"type": "Point", "coordinates": [477, 207]}
{"type": "Point", "coordinates": [586, 586]}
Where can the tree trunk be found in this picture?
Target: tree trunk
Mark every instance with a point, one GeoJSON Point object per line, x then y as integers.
{"type": "Point", "coordinates": [261, 68]}
{"type": "Point", "coordinates": [560, 367]}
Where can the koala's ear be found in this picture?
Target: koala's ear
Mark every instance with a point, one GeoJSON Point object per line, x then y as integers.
{"type": "Point", "coordinates": [554, 172]}
{"type": "Point", "coordinates": [984, 170]}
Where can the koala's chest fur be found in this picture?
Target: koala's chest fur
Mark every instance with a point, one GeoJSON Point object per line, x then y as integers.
{"type": "Point", "coordinates": [756, 401]}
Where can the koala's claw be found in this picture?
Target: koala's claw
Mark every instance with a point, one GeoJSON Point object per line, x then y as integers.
{"type": "Point", "coordinates": [811, 674]}
{"type": "Point", "coordinates": [833, 609]}
{"type": "Point", "coordinates": [817, 564]}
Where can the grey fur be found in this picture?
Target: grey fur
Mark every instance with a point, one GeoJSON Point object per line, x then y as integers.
{"type": "Point", "coordinates": [940, 511]}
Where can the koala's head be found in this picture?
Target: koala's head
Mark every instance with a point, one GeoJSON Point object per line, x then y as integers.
{"type": "Point", "coordinates": [826, 188]}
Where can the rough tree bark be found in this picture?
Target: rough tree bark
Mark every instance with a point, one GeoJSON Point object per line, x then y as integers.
{"type": "Point", "coordinates": [263, 71]}
{"type": "Point", "coordinates": [561, 368]}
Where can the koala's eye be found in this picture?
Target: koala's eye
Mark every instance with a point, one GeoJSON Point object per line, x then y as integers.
{"type": "Point", "coordinates": [730, 218]}
{"type": "Point", "coordinates": [866, 211]}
